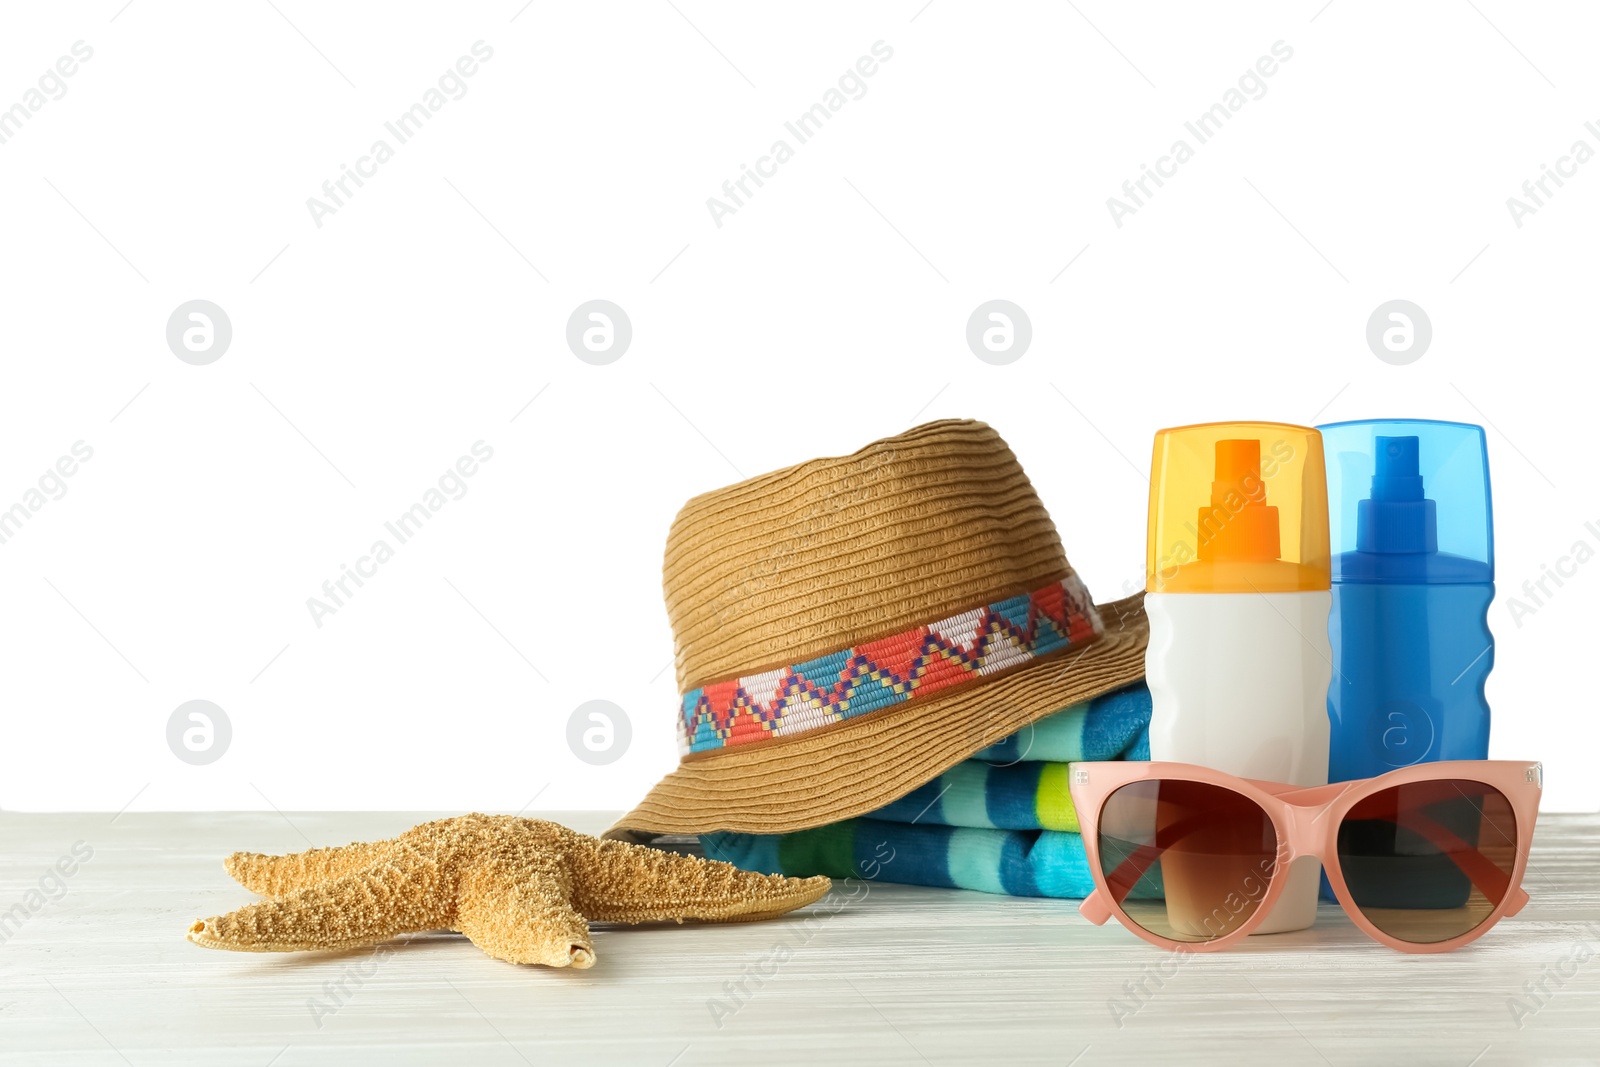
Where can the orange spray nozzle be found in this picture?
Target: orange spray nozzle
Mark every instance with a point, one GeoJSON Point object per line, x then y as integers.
{"type": "Point", "coordinates": [1237, 507]}
{"type": "Point", "coordinates": [1238, 470]}
{"type": "Point", "coordinates": [1238, 525]}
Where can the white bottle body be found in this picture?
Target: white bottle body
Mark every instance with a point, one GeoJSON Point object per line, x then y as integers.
{"type": "Point", "coordinates": [1239, 683]}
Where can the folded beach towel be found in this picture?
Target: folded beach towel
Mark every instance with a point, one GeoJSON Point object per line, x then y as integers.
{"type": "Point", "coordinates": [1020, 783]}
{"type": "Point", "coordinates": [1106, 727]}
{"type": "Point", "coordinates": [1000, 823]}
{"type": "Point", "coordinates": [1024, 863]}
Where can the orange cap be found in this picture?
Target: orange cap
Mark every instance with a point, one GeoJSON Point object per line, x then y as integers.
{"type": "Point", "coordinates": [1237, 507]}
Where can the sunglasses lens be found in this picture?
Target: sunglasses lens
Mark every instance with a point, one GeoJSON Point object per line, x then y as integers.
{"type": "Point", "coordinates": [1429, 861]}
{"type": "Point", "coordinates": [1185, 860]}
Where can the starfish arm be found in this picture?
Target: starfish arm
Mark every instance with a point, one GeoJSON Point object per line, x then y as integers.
{"type": "Point", "coordinates": [518, 912]}
{"type": "Point", "coordinates": [278, 876]}
{"type": "Point", "coordinates": [392, 897]}
{"type": "Point", "coordinates": [626, 883]}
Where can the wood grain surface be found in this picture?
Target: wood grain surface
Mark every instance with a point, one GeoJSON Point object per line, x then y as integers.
{"type": "Point", "coordinates": [96, 971]}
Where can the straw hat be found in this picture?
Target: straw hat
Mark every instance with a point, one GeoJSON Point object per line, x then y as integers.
{"type": "Point", "coordinates": [850, 628]}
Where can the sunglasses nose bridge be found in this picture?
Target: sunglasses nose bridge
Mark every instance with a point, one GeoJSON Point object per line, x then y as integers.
{"type": "Point", "coordinates": [1306, 830]}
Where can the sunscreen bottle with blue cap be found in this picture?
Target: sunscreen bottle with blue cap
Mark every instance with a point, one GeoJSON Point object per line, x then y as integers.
{"type": "Point", "coordinates": [1412, 541]}
{"type": "Point", "coordinates": [1413, 575]}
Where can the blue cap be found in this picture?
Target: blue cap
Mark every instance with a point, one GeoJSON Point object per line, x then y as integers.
{"type": "Point", "coordinates": [1408, 501]}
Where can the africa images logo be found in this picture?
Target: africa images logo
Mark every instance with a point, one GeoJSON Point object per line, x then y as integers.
{"type": "Point", "coordinates": [405, 126]}
{"type": "Point", "coordinates": [1251, 85]}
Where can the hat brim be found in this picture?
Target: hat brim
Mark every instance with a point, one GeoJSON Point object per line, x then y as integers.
{"type": "Point", "coordinates": [859, 766]}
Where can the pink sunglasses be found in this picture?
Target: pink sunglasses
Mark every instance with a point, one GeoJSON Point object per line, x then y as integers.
{"type": "Point", "coordinates": [1424, 859]}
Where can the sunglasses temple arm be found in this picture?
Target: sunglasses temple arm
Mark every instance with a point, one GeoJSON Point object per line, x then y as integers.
{"type": "Point", "coordinates": [1491, 881]}
{"type": "Point", "coordinates": [1140, 860]}
{"type": "Point", "coordinates": [1095, 908]}
{"type": "Point", "coordinates": [1519, 897]}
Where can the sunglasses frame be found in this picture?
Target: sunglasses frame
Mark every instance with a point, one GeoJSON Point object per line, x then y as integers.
{"type": "Point", "coordinates": [1306, 820]}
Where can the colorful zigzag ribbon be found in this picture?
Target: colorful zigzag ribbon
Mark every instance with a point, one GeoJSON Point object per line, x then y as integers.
{"type": "Point", "coordinates": [878, 674]}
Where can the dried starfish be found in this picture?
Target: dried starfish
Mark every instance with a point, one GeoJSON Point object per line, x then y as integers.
{"type": "Point", "coordinates": [520, 889]}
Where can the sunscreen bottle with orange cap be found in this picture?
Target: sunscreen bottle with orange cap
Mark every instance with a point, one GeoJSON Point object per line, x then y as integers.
{"type": "Point", "coordinates": [1237, 593]}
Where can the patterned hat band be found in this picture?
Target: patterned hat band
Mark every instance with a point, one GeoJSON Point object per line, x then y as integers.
{"type": "Point", "coordinates": [891, 671]}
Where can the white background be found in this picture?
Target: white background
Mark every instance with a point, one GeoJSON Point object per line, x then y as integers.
{"type": "Point", "coordinates": [830, 310]}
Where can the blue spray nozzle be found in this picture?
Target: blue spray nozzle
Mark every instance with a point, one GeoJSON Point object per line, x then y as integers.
{"type": "Point", "coordinates": [1395, 475]}
{"type": "Point", "coordinates": [1396, 518]}
{"type": "Point", "coordinates": [1408, 501]}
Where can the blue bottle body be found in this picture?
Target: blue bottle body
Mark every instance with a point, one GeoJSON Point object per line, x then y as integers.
{"type": "Point", "coordinates": [1411, 523]}
{"type": "Point", "coordinates": [1411, 663]}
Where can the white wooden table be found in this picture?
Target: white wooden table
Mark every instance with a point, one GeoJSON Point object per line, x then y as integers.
{"type": "Point", "coordinates": [100, 973]}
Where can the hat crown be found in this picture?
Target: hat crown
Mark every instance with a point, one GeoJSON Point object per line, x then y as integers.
{"type": "Point", "coordinates": [832, 552]}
